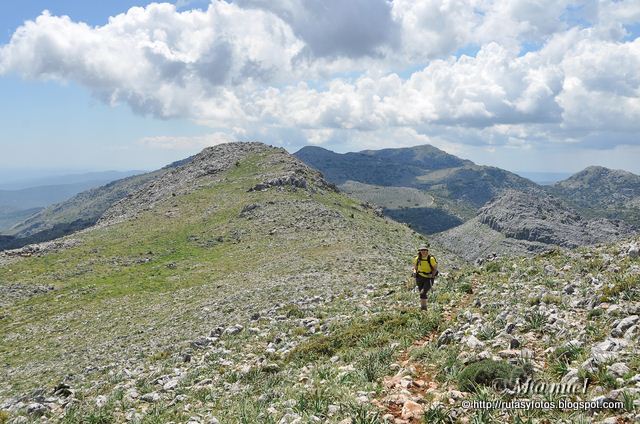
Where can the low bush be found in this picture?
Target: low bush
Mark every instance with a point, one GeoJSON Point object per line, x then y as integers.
{"type": "Point", "coordinates": [488, 373]}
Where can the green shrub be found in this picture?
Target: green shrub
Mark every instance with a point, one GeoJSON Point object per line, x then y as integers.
{"type": "Point", "coordinates": [594, 313]}
{"type": "Point", "coordinates": [535, 320]}
{"type": "Point", "coordinates": [488, 373]}
{"type": "Point", "coordinates": [293, 311]}
{"type": "Point", "coordinates": [492, 267]}
{"type": "Point", "coordinates": [465, 287]}
{"type": "Point", "coordinates": [566, 354]}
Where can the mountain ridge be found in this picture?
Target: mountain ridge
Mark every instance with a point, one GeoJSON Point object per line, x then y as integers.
{"type": "Point", "coordinates": [245, 288]}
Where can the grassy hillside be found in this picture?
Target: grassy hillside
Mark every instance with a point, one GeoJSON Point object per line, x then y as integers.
{"type": "Point", "coordinates": [259, 294]}
{"type": "Point", "coordinates": [76, 213]}
{"type": "Point", "coordinates": [425, 213]}
{"type": "Point", "coordinates": [139, 293]}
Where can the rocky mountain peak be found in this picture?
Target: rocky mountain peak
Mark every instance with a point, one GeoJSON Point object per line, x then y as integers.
{"type": "Point", "coordinates": [281, 169]}
{"type": "Point", "coordinates": [598, 177]}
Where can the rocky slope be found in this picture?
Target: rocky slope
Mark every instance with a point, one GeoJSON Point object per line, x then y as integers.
{"type": "Point", "coordinates": [213, 274]}
{"type": "Point", "coordinates": [601, 192]}
{"type": "Point", "coordinates": [244, 288]}
{"type": "Point", "coordinates": [79, 212]}
{"type": "Point", "coordinates": [557, 322]}
{"type": "Point", "coordinates": [368, 355]}
{"type": "Point", "coordinates": [528, 221]}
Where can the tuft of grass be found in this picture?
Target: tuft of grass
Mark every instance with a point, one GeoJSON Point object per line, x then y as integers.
{"type": "Point", "coordinates": [77, 415]}
{"type": "Point", "coordinates": [449, 366]}
{"type": "Point", "coordinates": [628, 400]}
{"type": "Point", "coordinates": [374, 365]}
{"type": "Point", "coordinates": [487, 332]}
{"type": "Point", "coordinates": [312, 403]}
{"type": "Point", "coordinates": [492, 267]}
{"type": "Point", "coordinates": [535, 320]}
{"type": "Point", "coordinates": [437, 415]}
{"type": "Point", "coordinates": [293, 311]}
{"type": "Point", "coordinates": [160, 356]}
{"type": "Point", "coordinates": [360, 414]}
{"type": "Point", "coordinates": [551, 299]}
{"type": "Point", "coordinates": [488, 373]}
{"type": "Point", "coordinates": [625, 287]}
{"type": "Point", "coordinates": [377, 331]}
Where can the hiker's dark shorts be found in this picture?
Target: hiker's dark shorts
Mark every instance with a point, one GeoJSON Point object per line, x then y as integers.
{"type": "Point", "coordinates": [424, 285]}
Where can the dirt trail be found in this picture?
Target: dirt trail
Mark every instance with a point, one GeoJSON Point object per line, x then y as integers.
{"type": "Point", "coordinates": [414, 379]}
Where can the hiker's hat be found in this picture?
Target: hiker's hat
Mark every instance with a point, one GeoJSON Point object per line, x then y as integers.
{"type": "Point", "coordinates": [423, 247]}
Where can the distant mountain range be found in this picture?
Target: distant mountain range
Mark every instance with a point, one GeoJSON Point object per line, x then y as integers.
{"type": "Point", "coordinates": [21, 198]}
{"type": "Point", "coordinates": [16, 182]}
{"type": "Point", "coordinates": [477, 209]}
{"type": "Point", "coordinates": [457, 186]}
{"type": "Point", "coordinates": [473, 209]}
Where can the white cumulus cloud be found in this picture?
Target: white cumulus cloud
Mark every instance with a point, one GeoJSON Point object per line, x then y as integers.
{"type": "Point", "coordinates": [321, 71]}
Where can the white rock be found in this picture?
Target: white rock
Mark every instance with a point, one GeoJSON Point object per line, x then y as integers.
{"type": "Point", "coordinates": [411, 409]}
{"type": "Point", "coordinates": [473, 342]}
{"type": "Point", "coordinates": [151, 397]}
{"type": "Point", "coordinates": [618, 369]}
{"type": "Point", "coordinates": [101, 400]}
{"type": "Point", "coordinates": [171, 384]}
{"type": "Point", "coordinates": [290, 418]}
{"type": "Point", "coordinates": [626, 323]}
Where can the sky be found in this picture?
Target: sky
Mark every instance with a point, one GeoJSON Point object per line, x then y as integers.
{"type": "Point", "coordinates": [525, 85]}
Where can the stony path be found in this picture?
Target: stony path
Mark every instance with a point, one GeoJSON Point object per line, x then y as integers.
{"type": "Point", "coordinates": [404, 393]}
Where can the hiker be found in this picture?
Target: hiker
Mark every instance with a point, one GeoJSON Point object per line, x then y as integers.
{"type": "Point", "coordinates": [425, 269]}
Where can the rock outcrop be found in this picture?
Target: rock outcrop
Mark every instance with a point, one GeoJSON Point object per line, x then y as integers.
{"type": "Point", "coordinates": [537, 217]}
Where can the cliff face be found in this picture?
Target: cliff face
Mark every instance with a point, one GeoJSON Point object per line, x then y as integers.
{"type": "Point", "coordinates": [524, 222]}
{"type": "Point", "coordinates": [538, 217]}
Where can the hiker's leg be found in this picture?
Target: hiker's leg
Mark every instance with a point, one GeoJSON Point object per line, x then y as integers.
{"type": "Point", "coordinates": [424, 290]}
{"type": "Point", "coordinates": [423, 296]}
